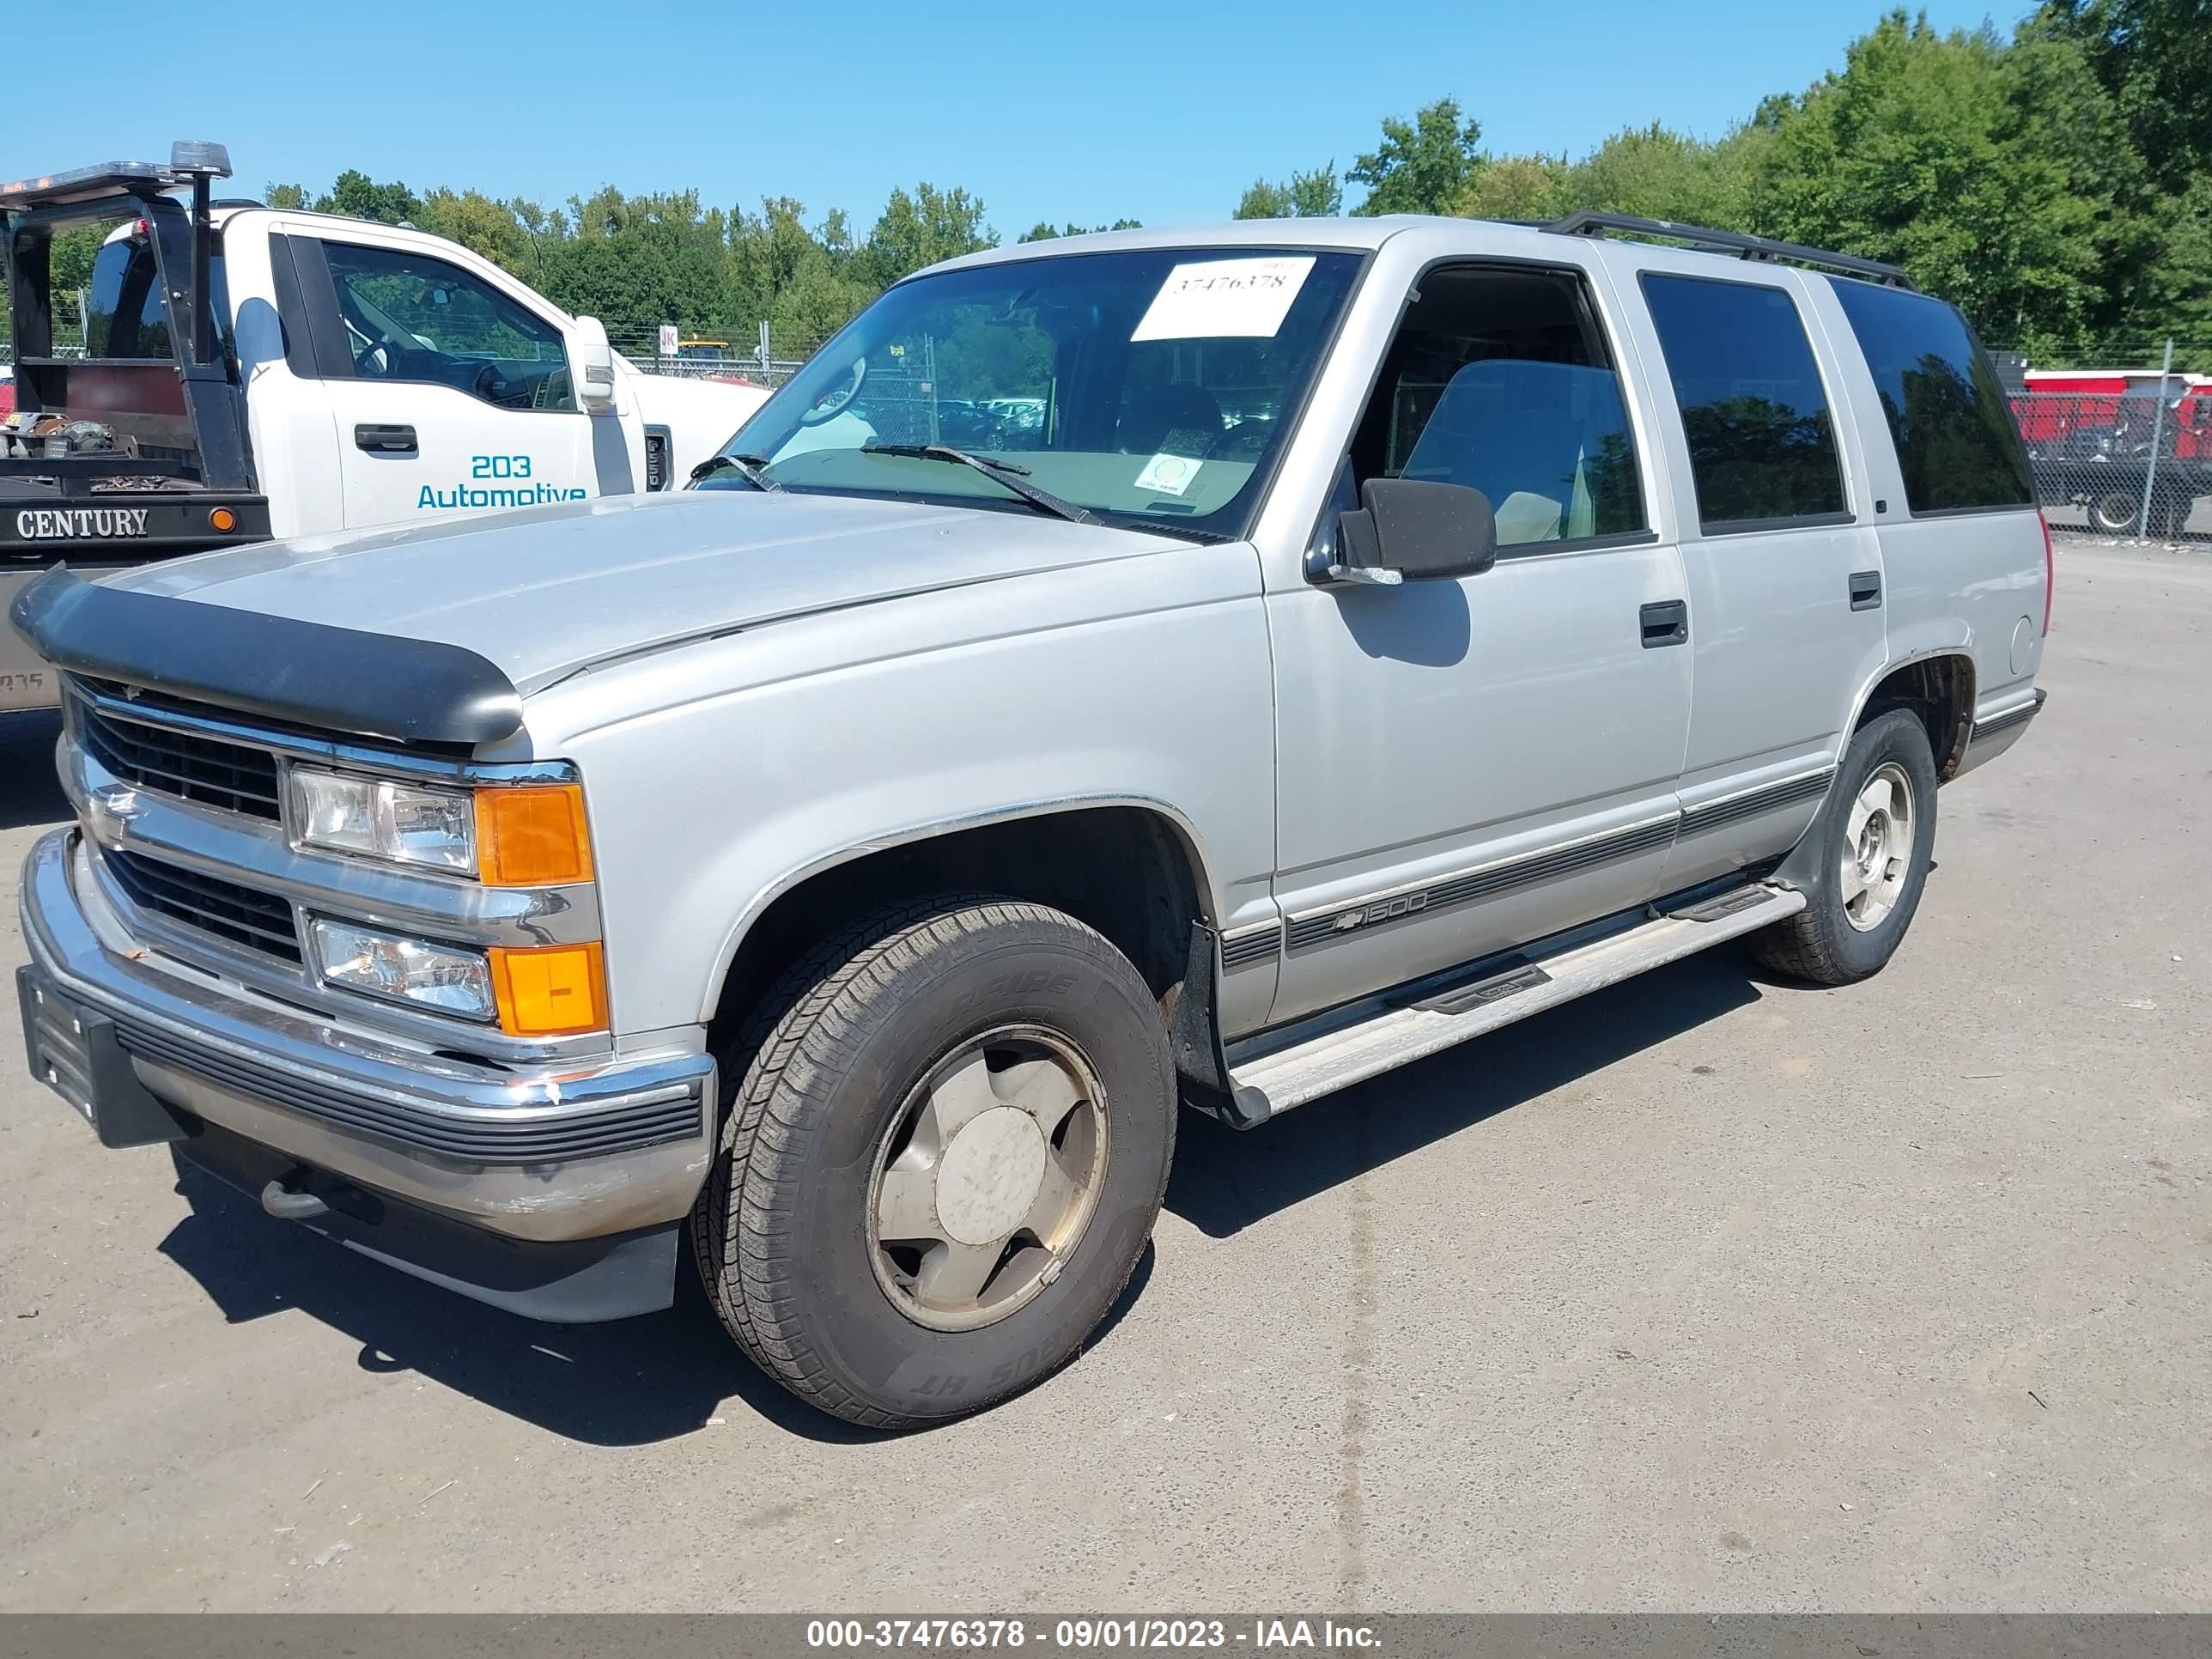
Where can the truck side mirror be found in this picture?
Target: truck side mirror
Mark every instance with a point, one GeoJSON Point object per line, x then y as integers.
{"type": "Point", "coordinates": [594, 365]}
{"type": "Point", "coordinates": [1416, 530]}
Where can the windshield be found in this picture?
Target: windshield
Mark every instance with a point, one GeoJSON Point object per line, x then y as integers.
{"type": "Point", "coordinates": [1149, 387]}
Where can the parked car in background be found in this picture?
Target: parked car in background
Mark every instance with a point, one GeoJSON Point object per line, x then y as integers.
{"type": "Point", "coordinates": [853, 862]}
{"type": "Point", "coordinates": [250, 372]}
{"type": "Point", "coordinates": [2091, 435]}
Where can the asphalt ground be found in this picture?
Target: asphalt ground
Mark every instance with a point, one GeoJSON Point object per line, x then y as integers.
{"type": "Point", "coordinates": [1708, 1292]}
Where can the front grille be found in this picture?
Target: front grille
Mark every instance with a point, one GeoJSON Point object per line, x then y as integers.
{"type": "Point", "coordinates": [231, 776]}
{"type": "Point", "coordinates": [259, 921]}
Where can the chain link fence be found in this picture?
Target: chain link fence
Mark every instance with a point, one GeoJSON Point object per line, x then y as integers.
{"type": "Point", "coordinates": [2118, 438]}
{"type": "Point", "coordinates": [758, 356]}
{"type": "Point", "coordinates": [2130, 464]}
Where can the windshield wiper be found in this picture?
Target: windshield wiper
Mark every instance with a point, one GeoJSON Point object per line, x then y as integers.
{"type": "Point", "coordinates": [1004, 472]}
{"type": "Point", "coordinates": [751, 468]}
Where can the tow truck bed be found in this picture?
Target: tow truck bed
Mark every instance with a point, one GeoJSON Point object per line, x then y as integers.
{"type": "Point", "coordinates": [169, 471]}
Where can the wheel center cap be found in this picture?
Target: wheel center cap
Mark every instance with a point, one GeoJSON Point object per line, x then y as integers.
{"type": "Point", "coordinates": [990, 1175]}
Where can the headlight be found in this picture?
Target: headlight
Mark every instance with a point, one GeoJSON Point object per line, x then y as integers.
{"type": "Point", "coordinates": [378, 818]}
{"type": "Point", "coordinates": [401, 969]}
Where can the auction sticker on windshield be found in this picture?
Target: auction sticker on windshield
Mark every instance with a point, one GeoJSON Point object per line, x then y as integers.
{"type": "Point", "coordinates": [1168, 475]}
{"type": "Point", "coordinates": [1222, 298]}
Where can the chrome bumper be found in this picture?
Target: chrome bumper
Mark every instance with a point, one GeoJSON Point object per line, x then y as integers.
{"type": "Point", "coordinates": [562, 1150]}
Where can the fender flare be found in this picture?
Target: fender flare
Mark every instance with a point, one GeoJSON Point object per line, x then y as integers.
{"type": "Point", "coordinates": [1963, 648]}
{"type": "Point", "coordinates": [1794, 869]}
{"type": "Point", "coordinates": [1191, 845]}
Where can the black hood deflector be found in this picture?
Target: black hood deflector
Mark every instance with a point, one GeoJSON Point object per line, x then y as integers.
{"type": "Point", "coordinates": [305, 673]}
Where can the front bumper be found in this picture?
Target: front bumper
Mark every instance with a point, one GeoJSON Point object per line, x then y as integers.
{"type": "Point", "coordinates": [553, 1155]}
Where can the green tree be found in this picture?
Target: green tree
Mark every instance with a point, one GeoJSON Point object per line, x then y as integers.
{"type": "Point", "coordinates": [2154, 58]}
{"type": "Point", "coordinates": [1515, 187]}
{"type": "Point", "coordinates": [921, 228]}
{"type": "Point", "coordinates": [69, 259]}
{"type": "Point", "coordinates": [805, 284]}
{"type": "Point", "coordinates": [481, 226]}
{"type": "Point", "coordinates": [1422, 166]}
{"type": "Point", "coordinates": [1316, 195]}
{"type": "Point", "coordinates": [293, 197]}
{"type": "Point", "coordinates": [1657, 173]}
{"type": "Point", "coordinates": [359, 196]}
{"type": "Point", "coordinates": [1042, 230]}
{"type": "Point", "coordinates": [1999, 177]}
{"type": "Point", "coordinates": [2172, 294]}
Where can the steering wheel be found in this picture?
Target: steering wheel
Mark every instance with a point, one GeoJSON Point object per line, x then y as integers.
{"type": "Point", "coordinates": [834, 402]}
{"type": "Point", "coordinates": [373, 362]}
{"type": "Point", "coordinates": [491, 385]}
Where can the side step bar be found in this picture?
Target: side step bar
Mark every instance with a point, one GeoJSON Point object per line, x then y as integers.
{"type": "Point", "coordinates": [1315, 1057]}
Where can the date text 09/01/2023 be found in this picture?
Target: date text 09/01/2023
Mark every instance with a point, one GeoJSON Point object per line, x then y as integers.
{"type": "Point", "coordinates": [1108, 1634]}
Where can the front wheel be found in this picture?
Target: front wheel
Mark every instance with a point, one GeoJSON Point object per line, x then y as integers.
{"type": "Point", "coordinates": [941, 1162]}
{"type": "Point", "coordinates": [1872, 843]}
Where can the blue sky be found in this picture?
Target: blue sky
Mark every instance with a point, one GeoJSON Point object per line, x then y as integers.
{"type": "Point", "coordinates": [1158, 111]}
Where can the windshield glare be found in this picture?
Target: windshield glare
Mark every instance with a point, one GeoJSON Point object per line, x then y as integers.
{"type": "Point", "coordinates": [1152, 386]}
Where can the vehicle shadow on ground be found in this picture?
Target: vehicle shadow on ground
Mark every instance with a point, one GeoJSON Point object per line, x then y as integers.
{"type": "Point", "coordinates": [1224, 1181]}
{"type": "Point", "coordinates": [29, 792]}
{"type": "Point", "coordinates": [631, 1382]}
{"type": "Point", "coordinates": [663, 1375]}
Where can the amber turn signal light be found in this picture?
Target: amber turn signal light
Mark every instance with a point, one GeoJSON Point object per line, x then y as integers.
{"type": "Point", "coordinates": [532, 836]}
{"type": "Point", "coordinates": [550, 990]}
{"type": "Point", "coordinates": [222, 519]}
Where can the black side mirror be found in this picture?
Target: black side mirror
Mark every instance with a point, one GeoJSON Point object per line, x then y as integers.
{"type": "Point", "coordinates": [1416, 530]}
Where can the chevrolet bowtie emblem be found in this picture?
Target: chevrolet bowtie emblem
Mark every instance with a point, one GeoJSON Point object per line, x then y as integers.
{"type": "Point", "coordinates": [116, 800]}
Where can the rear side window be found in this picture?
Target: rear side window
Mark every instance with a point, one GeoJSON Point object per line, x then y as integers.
{"type": "Point", "coordinates": [1955, 442]}
{"type": "Point", "coordinates": [1762, 447]}
{"type": "Point", "coordinates": [124, 313]}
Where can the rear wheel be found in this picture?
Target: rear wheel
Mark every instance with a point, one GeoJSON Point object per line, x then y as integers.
{"type": "Point", "coordinates": [942, 1160]}
{"type": "Point", "coordinates": [1872, 843]}
{"type": "Point", "coordinates": [2115, 510]}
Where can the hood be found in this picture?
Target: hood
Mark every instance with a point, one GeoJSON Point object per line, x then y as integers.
{"type": "Point", "coordinates": [544, 592]}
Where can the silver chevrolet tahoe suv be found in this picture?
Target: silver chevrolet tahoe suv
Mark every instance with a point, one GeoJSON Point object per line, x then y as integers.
{"type": "Point", "coordinates": [1144, 670]}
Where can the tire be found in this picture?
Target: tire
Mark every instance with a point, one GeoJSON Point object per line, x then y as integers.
{"type": "Point", "coordinates": [1842, 936]}
{"type": "Point", "coordinates": [868, 1110]}
{"type": "Point", "coordinates": [2115, 510]}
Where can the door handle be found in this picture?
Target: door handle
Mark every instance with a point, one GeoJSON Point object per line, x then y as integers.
{"type": "Point", "coordinates": [384, 440]}
{"type": "Point", "coordinates": [1865, 589]}
{"type": "Point", "coordinates": [1665, 624]}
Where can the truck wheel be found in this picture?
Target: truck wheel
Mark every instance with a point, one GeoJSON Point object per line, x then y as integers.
{"type": "Point", "coordinates": [2115, 510]}
{"type": "Point", "coordinates": [942, 1159]}
{"type": "Point", "coordinates": [1872, 842]}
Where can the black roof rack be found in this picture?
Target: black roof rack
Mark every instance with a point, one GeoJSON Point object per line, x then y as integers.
{"type": "Point", "coordinates": [1591, 223]}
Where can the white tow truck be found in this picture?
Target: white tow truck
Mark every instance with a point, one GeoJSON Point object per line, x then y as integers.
{"type": "Point", "coordinates": [249, 372]}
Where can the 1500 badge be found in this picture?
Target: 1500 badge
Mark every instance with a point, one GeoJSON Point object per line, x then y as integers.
{"type": "Point", "coordinates": [513, 491]}
{"type": "Point", "coordinates": [54, 524]}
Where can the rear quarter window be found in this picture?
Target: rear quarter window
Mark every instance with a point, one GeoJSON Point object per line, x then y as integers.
{"type": "Point", "coordinates": [1956, 444]}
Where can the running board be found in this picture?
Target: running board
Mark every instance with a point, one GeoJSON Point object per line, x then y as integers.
{"type": "Point", "coordinates": [1301, 1063]}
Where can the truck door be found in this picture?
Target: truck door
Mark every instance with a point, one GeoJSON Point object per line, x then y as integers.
{"type": "Point", "coordinates": [453, 396]}
{"type": "Point", "coordinates": [1785, 581]}
{"type": "Point", "coordinates": [1466, 765]}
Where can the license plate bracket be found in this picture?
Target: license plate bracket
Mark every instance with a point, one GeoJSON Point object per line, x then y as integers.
{"type": "Point", "coordinates": [80, 1055]}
